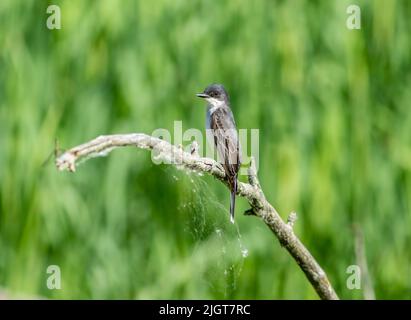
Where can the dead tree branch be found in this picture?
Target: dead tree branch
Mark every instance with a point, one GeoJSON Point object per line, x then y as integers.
{"type": "Point", "coordinates": [252, 191]}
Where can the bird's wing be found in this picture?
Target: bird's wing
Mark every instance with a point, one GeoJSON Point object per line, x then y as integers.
{"type": "Point", "coordinates": [226, 139]}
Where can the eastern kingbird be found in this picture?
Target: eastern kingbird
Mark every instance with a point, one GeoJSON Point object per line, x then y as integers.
{"type": "Point", "coordinates": [221, 129]}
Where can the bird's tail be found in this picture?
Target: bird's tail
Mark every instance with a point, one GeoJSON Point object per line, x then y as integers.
{"type": "Point", "coordinates": [232, 199]}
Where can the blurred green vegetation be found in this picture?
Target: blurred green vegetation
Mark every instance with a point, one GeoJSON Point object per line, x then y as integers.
{"type": "Point", "coordinates": [332, 106]}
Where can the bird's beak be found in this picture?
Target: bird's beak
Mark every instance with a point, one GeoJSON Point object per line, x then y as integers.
{"type": "Point", "coordinates": [202, 95]}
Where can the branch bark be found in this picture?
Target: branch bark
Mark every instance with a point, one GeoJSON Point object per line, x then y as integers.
{"type": "Point", "coordinates": [252, 191]}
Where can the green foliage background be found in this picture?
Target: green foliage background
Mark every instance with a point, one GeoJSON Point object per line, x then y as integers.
{"type": "Point", "coordinates": [332, 106]}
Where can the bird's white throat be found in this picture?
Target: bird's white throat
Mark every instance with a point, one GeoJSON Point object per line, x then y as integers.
{"type": "Point", "coordinates": [214, 104]}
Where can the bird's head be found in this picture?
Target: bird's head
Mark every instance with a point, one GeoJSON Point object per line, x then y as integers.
{"type": "Point", "coordinates": [215, 94]}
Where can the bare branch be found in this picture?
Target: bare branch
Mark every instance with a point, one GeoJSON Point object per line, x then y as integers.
{"type": "Point", "coordinates": [168, 153]}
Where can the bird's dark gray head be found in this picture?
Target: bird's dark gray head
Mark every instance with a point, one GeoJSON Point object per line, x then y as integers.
{"type": "Point", "coordinates": [215, 94]}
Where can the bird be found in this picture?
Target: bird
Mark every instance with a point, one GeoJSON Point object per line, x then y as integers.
{"type": "Point", "coordinates": [222, 134]}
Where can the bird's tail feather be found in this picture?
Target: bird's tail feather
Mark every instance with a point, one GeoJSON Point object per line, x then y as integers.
{"type": "Point", "coordinates": [232, 199]}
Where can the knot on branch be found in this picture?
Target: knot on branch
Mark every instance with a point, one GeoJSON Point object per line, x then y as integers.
{"type": "Point", "coordinates": [292, 218]}
{"type": "Point", "coordinates": [252, 174]}
{"type": "Point", "coordinates": [250, 212]}
{"type": "Point", "coordinates": [66, 161]}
